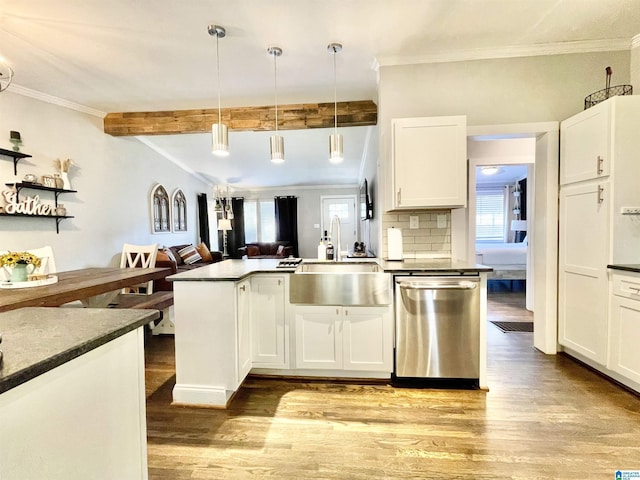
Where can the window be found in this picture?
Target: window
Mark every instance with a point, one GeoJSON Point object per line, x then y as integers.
{"type": "Point", "coordinates": [490, 215]}
{"type": "Point", "coordinates": [259, 221]}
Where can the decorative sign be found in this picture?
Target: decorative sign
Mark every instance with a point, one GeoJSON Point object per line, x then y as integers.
{"type": "Point", "coordinates": [27, 206]}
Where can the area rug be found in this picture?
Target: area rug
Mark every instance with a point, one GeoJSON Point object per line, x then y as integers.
{"type": "Point", "coordinates": [509, 327]}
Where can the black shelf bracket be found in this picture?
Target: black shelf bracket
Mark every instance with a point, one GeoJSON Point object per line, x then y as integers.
{"type": "Point", "coordinates": [16, 156]}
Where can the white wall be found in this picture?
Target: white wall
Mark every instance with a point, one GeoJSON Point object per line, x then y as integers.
{"type": "Point", "coordinates": [309, 210]}
{"type": "Point", "coordinates": [113, 177]}
{"type": "Point", "coordinates": [635, 65]}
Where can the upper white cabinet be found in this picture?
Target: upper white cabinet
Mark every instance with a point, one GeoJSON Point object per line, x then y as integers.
{"type": "Point", "coordinates": [586, 145]}
{"type": "Point", "coordinates": [429, 162]}
{"type": "Point", "coordinates": [269, 326]}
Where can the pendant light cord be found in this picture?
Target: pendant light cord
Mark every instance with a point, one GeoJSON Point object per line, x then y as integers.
{"type": "Point", "coordinates": [218, 71]}
{"type": "Point", "coordinates": [275, 82]}
{"type": "Point", "coordinates": [335, 95]}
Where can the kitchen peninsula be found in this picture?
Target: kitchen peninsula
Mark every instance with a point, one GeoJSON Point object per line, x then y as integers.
{"type": "Point", "coordinates": [239, 316]}
{"type": "Point", "coordinates": [72, 399]}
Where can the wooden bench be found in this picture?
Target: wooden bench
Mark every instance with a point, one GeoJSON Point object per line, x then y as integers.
{"type": "Point", "coordinates": [157, 301]}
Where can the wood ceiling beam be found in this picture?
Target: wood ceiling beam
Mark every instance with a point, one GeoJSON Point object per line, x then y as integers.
{"type": "Point", "coordinates": [290, 117]}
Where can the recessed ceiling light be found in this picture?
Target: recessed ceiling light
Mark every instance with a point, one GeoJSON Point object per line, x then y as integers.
{"type": "Point", "coordinates": [489, 170]}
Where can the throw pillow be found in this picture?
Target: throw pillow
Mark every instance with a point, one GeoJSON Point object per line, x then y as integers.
{"type": "Point", "coordinates": [190, 255]}
{"type": "Point", "coordinates": [204, 252]}
{"type": "Point", "coordinates": [280, 251]}
{"type": "Point", "coordinates": [253, 251]}
{"type": "Point", "coordinates": [169, 253]}
{"type": "Point", "coordinates": [176, 255]}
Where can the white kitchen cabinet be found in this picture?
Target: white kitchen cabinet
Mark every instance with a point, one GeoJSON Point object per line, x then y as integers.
{"type": "Point", "coordinates": [586, 145]}
{"type": "Point", "coordinates": [429, 162]}
{"type": "Point", "coordinates": [624, 338]}
{"type": "Point", "coordinates": [344, 338]}
{"type": "Point", "coordinates": [243, 293]}
{"type": "Point", "coordinates": [269, 326]}
{"type": "Point", "coordinates": [599, 171]}
{"type": "Point", "coordinates": [583, 284]}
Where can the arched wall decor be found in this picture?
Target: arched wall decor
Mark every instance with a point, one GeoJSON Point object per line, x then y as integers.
{"type": "Point", "coordinates": [178, 211]}
{"type": "Point", "coordinates": [160, 210]}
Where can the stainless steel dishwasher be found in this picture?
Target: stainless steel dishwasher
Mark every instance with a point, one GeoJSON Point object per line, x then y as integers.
{"type": "Point", "coordinates": [437, 331]}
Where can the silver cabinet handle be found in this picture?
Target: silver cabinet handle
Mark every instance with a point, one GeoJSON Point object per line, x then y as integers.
{"type": "Point", "coordinates": [399, 196]}
{"type": "Point", "coordinates": [243, 288]}
{"type": "Point", "coordinates": [600, 192]}
{"type": "Point", "coordinates": [599, 163]}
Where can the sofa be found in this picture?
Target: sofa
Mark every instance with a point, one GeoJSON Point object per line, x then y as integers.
{"type": "Point", "coordinates": [181, 258]}
{"type": "Point", "coordinates": [279, 249]}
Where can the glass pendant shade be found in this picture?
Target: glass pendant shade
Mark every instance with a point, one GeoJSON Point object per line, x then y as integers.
{"type": "Point", "coordinates": [336, 154]}
{"type": "Point", "coordinates": [220, 139]}
{"type": "Point", "coordinates": [277, 148]}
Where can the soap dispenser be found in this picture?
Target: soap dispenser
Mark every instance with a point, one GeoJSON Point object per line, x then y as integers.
{"type": "Point", "coordinates": [322, 250]}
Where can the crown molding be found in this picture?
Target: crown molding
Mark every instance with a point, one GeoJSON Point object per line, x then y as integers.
{"type": "Point", "coordinates": [635, 41]}
{"type": "Point", "coordinates": [562, 48]}
{"type": "Point", "coordinates": [44, 97]}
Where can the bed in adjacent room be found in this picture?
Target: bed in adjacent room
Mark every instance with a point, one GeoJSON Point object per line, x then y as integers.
{"type": "Point", "coordinates": [508, 260]}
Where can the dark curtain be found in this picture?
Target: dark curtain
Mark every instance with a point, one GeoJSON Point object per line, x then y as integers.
{"type": "Point", "coordinates": [235, 237]}
{"type": "Point", "coordinates": [287, 221]}
{"type": "Point", "coordinates": [203, 219]}
{"type": "Point", "coordinates": [523, 207]}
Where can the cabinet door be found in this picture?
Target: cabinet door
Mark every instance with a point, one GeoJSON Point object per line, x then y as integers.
{"type": "Point", "coordinates": [367, 339]}
{"type": "Point", "coordinates": [624, 353]}
{"type": "Point", "coordinates": [429, 162]}
{"type": "Point", "coordinates": [585, 145]}
{"type": "Point", "coordinates": [268, 321]}
{"type": "Point", "coordinates": [243, 295]}
{"type": "Point", "coordinates": [583, 286]}
{"type": "Point", "coordinates": [318, 339]}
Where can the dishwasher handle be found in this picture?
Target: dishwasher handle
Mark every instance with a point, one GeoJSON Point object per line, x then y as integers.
{"type": "Point", "coordinates": [438, 286]}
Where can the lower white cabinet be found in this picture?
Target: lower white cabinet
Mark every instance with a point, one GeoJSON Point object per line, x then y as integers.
{"type": "Point", "coordinates": [624, 337]}
{"type": "Point", "coordinates": [269, 326]}
{"type": "Point", "coordinates": [243, 294]}
{"type": "Point", "coordinates": [583, 255]}
{"type": "Point", "coordinates": [344, 338]}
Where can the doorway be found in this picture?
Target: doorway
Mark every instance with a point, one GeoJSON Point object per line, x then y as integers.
{"type": "Point", "coordinates": [543, 231]}
{"type": "Point", "coordinates": [344, 207]}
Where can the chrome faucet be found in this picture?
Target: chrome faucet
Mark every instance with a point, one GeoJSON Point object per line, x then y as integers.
{"type": "Point", "coordinates": [336, 219]}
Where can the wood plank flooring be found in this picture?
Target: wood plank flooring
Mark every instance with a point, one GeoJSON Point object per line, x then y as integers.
{"type": "Point", "coordinates": [545, 417]}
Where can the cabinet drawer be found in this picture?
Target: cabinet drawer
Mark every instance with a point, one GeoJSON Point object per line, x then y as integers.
{"type": "Point", "coordinates": [626, 286]}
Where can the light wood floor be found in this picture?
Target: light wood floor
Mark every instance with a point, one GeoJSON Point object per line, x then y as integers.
{"type": "Point", "coordinates": [545, 417]}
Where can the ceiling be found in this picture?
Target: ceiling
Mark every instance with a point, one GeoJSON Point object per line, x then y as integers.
{"type": "Point", "coordinates": [145, 55]}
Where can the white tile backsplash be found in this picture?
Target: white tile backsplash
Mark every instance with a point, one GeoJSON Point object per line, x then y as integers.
{"type": "Point", "coordinates": [428, 241]}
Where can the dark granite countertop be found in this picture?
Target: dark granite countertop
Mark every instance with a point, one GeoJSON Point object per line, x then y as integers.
{"type": "Point", "coordinates": [38, 339]}
{"type": "Point", "coordinates": [234, 270]}
{"type": "Point", "coordinates": [635, 268]}
{"type": "Point", "coordinates": [432, 265]}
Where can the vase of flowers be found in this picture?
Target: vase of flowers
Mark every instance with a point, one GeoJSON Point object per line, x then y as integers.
{"type": "Point", "coordinates": [19, 264]}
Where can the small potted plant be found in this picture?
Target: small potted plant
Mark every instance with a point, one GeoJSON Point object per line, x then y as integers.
{"type": "Point", "coordinates": [18, 262]}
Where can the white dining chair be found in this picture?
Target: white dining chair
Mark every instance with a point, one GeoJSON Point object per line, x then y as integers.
{"type": "Point", "coordinates": [139, 256]}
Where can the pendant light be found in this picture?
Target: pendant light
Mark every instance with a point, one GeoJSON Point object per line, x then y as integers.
{"type": "Point", "coordinates": [276, 141]}
{"type": "Point", "coordinates": [219, 131]}
{"type": "Point", "coordinates": [336, 154]}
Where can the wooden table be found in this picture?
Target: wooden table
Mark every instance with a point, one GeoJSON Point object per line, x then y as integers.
{"type": "Point", "coordinates": [94, 286]}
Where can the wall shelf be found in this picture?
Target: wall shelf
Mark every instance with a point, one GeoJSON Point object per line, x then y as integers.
{"type": "Point", "coordinates": [58, 218]}
{"type": "Point", "coordinates": [35, 186]}
{"type": "Point", "coordinates": [16, 156]}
